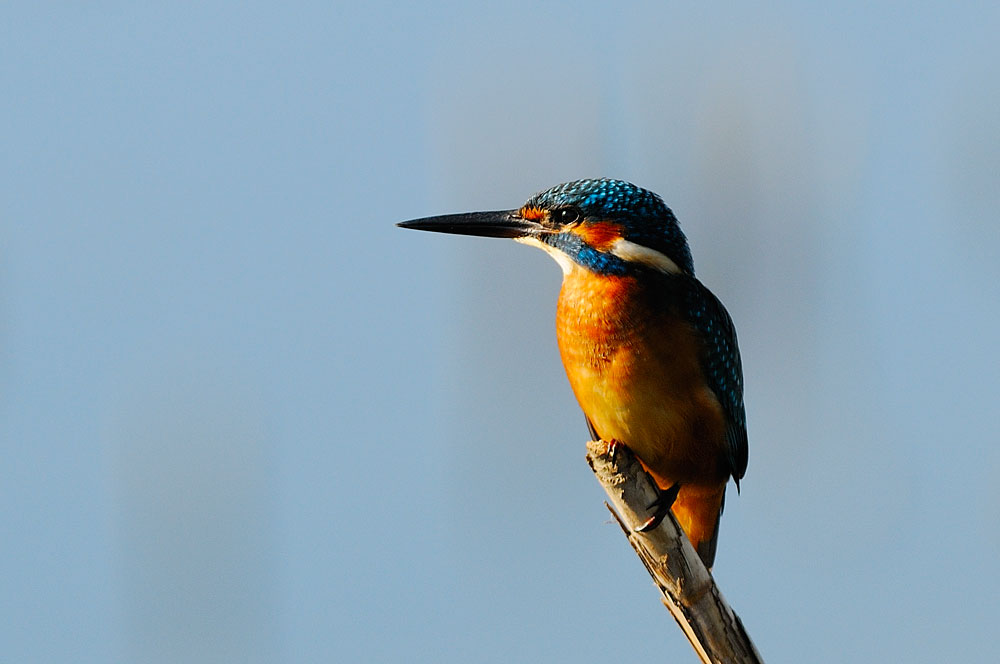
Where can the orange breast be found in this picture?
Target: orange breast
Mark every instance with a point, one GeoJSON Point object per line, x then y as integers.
{"type": "Point", "coordinates": [636, 373]}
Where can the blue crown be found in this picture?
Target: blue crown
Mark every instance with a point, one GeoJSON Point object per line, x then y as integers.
{"type": "Point", "coordinates": [645, 218]}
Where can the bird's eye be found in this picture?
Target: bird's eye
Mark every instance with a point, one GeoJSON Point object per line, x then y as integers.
{"type": "Point", "coordinates": [566, 215]}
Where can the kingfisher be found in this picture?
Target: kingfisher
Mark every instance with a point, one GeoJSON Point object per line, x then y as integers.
{"type": "Point", "coordinates": [650, 352]}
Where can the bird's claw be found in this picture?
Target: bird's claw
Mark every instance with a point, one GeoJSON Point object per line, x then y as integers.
{"type": "Point", "coordinates": [662, 503]}
{"type": "Point", "coordinates": [613, 446]}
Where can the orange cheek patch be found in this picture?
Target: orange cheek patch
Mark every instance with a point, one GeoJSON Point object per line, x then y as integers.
{"type": "Point", "coordinates": [532, 213]}
{"type": "Point", "coordinates": [600, 235]}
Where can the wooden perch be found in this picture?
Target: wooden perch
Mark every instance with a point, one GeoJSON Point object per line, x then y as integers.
{"type": "Point", "coordinates": [688, 589]}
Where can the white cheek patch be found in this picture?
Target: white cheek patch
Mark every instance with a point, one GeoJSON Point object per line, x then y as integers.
{"type": "Point", "coordinates": [636, 253]}
{"type": "Point", "coordinates": [565, 262]}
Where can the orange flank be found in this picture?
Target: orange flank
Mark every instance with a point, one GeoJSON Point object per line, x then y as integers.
{"type": "Point", "coordinates": [638, 380]}
{"type": "Point", "coordinates": [600, 235]}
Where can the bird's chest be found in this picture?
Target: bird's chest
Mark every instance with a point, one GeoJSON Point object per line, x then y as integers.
{"type": "Point", "coordinates": [599, 325]}
{"type": "Point", "coordinates": [634, 368]}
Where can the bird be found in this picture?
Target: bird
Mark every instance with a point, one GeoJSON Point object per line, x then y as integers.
{"type": "Point", "coordinates": [650, 353]}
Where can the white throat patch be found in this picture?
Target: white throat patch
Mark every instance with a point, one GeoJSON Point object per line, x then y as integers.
{"type": "Point", "coordinates": [565, 262]}
{"type": "Point", "coordinates": [623, 249]}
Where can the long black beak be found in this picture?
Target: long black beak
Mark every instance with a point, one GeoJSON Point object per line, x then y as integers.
{"type": "Point", "coordinates": [501, 223]}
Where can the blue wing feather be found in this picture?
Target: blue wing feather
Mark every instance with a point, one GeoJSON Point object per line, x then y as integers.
{"type": "Point", "coordinates": [720, 359]}
{"type": "Point", "coordinates": [722, 365]}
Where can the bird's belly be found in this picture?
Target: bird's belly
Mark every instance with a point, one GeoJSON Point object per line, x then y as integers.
{"type": "Point", "coordinates": [638, 379]}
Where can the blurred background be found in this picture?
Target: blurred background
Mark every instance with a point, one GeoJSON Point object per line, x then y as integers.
{"type": "Point", "coordinates": [243, 418]}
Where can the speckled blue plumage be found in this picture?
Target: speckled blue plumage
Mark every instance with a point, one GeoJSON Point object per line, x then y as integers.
{"type": "Point", "coordinates": [596, 261]}
{"type": "Point", "coordinates": [721, 364]}
{"type": "Point", "coordinates": [647, 221]}
{"type": "Point", "coordinates": [643, 214]}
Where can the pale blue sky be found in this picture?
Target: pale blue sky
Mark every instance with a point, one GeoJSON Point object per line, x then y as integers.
{"type": "Point", "coordinates": [245, 418]}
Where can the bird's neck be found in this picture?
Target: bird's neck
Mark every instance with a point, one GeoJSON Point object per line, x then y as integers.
{"type": "Point", "coordinates": [596, 309]}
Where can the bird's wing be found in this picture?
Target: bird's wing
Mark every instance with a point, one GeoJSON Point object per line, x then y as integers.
{"type": "Point", "coordinates": [722, 366]}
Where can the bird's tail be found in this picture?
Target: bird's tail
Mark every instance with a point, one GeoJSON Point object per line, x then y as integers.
{"type": "Point", "coordinates": [697, 509]}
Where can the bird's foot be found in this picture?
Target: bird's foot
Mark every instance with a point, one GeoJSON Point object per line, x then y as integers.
{"type": "Point", "coordinates": [662, 503]}
{"type": "Point", "coordinates": [613, 446]}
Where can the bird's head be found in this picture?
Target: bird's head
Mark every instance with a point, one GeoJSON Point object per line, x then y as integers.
{"type": "Point", "coordinates": [605, 226]}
